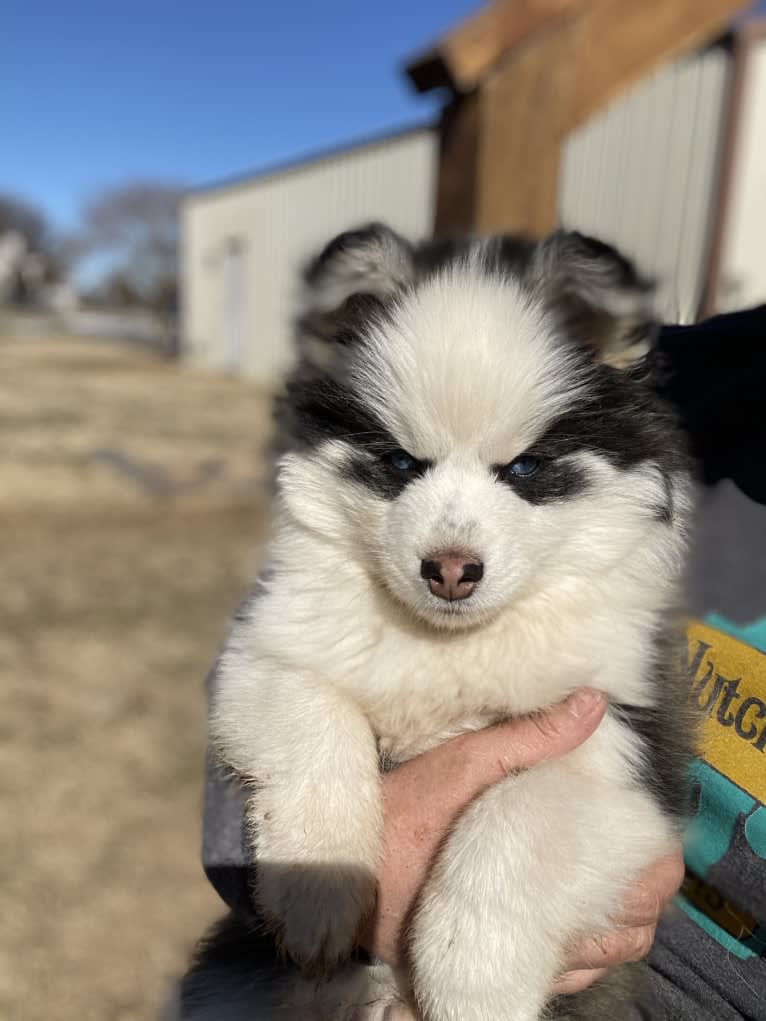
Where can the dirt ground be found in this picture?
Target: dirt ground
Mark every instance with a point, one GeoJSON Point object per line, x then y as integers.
{"type": "Point", "coordinates": [131, 505]}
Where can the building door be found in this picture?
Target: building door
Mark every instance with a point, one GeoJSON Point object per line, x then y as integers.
{"type": "Point", "coordinates": [234, 304]}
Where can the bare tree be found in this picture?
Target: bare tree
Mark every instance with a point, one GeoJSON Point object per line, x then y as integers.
{"type": "Point", "coordinates": [40, 242]}
{"type": "Point", "coordinates": [136, 227]}
{"type": "Point", "coordinates": [19, 217]}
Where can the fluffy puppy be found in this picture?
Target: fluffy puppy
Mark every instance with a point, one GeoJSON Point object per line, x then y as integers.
{"type": "Point", "coordinates": [483, 505]}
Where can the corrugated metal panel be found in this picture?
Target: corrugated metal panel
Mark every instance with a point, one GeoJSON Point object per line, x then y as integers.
{"type": "Point", "coordinates": [277, 222]}
{"type": "Point", "coordinates": [642, 175]}
{"type": "Point", "coordinates": [743, 264]}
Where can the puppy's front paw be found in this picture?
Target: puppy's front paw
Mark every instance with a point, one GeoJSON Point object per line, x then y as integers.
{"type": "Point", "coordinates": [318, 910]}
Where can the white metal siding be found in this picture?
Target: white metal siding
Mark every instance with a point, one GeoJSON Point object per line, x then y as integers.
{"type": "Point", "coordinates": [642, 175]}
{"type": "Point", "coordinates": [280, 221]}
{"type": "Point", "coordinates": [743, 265]}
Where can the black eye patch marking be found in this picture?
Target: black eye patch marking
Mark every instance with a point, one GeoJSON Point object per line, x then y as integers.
{"type": "Point", "coordinates": [389, 473]}
{"type": "Point", "coordinates": [538, 479]}
{"type": "Point", "coordinates": [322, 409]}
{"type": "Point", "coordinates": [618, 420]}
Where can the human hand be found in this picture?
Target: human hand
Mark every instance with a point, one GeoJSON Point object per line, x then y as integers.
{"type": "Point", "coordinates": [635, 926]}
{"type": "Point", "coordinates": [424, 797]}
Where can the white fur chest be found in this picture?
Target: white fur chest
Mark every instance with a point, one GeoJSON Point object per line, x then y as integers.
{"type": "Point", "coordinates": [418, 686]}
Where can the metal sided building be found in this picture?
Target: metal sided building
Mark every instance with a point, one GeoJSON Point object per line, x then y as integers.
{"type": "Point", "coordinates": [673, 172]}
{"type": "Point", "coordinates": [244, 243]}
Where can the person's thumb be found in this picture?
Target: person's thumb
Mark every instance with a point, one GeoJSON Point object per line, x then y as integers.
{"type": "Point", "coordinates": [527, 741]}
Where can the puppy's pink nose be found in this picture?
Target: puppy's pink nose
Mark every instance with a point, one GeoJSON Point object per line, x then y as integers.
{"type": "Point", "coordinates": [451, 575]}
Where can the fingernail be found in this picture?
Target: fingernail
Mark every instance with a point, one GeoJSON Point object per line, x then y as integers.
{"type": "Point", "coordinates": [585, 701]}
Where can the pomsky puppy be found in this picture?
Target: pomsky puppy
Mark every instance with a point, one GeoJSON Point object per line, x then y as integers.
{"type": "Point", "coordinates": [483, 506]}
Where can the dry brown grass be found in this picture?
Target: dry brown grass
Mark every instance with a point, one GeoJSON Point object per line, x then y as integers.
{"type": "Point", "coordinates": [130, 509]}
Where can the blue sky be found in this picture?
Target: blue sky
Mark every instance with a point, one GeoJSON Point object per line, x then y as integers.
{"type": "Point", "coordinates": [94, 94]}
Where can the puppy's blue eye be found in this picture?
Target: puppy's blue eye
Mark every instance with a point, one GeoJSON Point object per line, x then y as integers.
{"type": "Point", "coordinates": [523, 466]}
{"type": "Point", "coordinates": [401, 461]}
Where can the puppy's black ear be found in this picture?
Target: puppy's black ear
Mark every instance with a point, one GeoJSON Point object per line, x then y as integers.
{"type": "Point", "coordinates": [347, 285]}
{"type": "Point", "coordinates": [372, 260]}
{"type": "Point", "coordinates": [597, 296]}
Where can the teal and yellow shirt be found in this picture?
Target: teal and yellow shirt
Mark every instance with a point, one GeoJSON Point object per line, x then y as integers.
{"type": "Point", "coordinates": [725, 847]}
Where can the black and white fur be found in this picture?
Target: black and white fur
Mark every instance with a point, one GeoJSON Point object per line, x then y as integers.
{"type": "Point", "coordinates": [466, 356]}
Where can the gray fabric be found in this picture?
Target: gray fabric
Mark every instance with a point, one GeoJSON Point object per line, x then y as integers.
{"type": "Point", "coordinates": [740, 876]}
{"type": "Point", "coordinates": [727, 572]}
{"type": "Point", "coordinates": [695, 979]}
{"type": "Point", "coordinates": [224, 855]}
